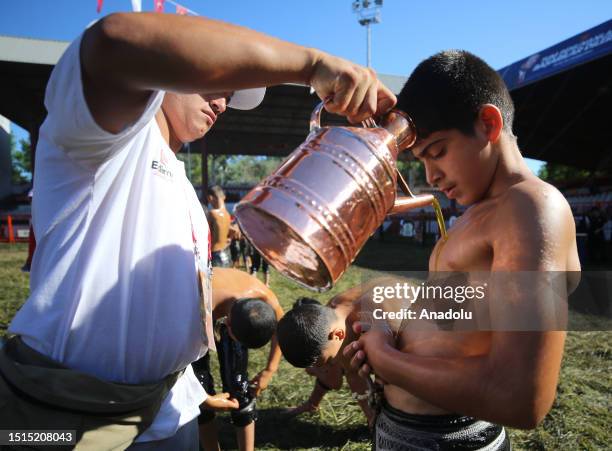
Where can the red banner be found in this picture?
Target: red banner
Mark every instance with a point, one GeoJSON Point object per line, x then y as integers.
{"type": "Point", "coordinates": [99, 8]}
{"type": "Point", "coordinates": [181, 10]}
{"type": "Point", "coordinates": [159, 6]}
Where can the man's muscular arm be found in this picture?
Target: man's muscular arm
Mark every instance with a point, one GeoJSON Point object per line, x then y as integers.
{"type": "Point", "coordinates": [515, 383]}
{"type": "Point", "coordinates": [125, 56]}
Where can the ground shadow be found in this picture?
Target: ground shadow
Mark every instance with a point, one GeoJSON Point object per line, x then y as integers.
{"type": "Point", "coordinates": [394, 254]}
{"type": "Point", "coordinates": [275, 430]}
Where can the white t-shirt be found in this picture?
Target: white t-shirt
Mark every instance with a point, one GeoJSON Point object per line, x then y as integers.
{"type": "Point", "coordinates": [113, 283]}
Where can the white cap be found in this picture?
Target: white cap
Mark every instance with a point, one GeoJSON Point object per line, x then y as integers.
{"type": "Point", "coordinates": [247, 99]}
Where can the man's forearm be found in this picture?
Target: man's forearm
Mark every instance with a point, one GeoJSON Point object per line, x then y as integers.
{"type": "Point", "coordinates": [190, 54]}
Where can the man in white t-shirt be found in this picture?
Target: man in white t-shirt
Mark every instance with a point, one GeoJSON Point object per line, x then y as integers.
{"type": "Point", "coordinates": [118, 282]}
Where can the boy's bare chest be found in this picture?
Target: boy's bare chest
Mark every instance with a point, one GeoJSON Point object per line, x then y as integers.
{"type": "Point", "coordinates": [468, 245]}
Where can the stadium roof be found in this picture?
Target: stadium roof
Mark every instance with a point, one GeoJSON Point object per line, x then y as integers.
{"type": "Point", "coordinates": [562, 95]}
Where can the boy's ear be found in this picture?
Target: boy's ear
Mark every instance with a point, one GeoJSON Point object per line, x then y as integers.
{"type": "Point", "coordinates": [490, 121]}
{"type": "Point", "coordinates": [336, 334]}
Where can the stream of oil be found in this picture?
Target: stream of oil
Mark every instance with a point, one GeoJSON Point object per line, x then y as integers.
{"type": "Point", "coordinates": [440, 218]}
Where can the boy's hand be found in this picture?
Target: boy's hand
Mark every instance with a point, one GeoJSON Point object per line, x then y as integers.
{"type": "Point", "coordinates": [306, 407]}
{"type": "Point", "coordinates": [220, 403]}
{"type": "Point", "coordinates": [374, 339]}
{"type": "Point", "coordinates": [260, 382]}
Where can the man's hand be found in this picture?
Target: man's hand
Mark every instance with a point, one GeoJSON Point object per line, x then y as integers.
{"type": "Point", "coordinates": [354, 91]}
{"type": "Point", "coordinates": [260, 382]}
{"type": "Point", "coordinates": [220, 403]}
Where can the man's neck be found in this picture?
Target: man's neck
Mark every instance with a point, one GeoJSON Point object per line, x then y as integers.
{"type": "Point", "coordinates": [510, 169]}
{"type": "Point", "coordinates": [167, 132]}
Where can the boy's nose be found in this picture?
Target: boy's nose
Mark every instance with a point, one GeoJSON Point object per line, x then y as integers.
{"type": "Point", "coordinates": [432, 174]}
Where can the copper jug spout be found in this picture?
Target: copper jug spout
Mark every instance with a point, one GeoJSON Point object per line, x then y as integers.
{"type": "Point", "coordinates": [404, 204]}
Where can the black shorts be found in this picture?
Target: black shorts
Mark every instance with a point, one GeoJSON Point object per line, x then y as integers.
{"type": "Point", "coordinates": [257, 261]}
{"type": "Point", "coordinates": [233, 362]}
{"type": "Point", "coordinates": [221, 259]}
{"type": "Point", "coordinates": [400, 431]}
{"type": "Point", "coordinates": [235, 250]}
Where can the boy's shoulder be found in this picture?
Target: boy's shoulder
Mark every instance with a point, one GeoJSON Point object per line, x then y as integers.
{"type": "Point", "coordinates": [535, 199]}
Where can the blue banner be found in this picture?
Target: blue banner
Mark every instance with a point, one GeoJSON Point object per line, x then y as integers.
{"type": "Point", "coordinates": [579, 49]}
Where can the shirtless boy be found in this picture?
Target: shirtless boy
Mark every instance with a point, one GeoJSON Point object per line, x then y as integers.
{"type": "Point", "coordinates": [467, 382]}
{"type": "Point", "coordinates": [245, 314]}
{"type": "Point", "coordinates": [312, 336]}
{"type": "Point", "coordinates": [220, 222]}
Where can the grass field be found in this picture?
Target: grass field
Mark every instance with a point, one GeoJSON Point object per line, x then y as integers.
{"type": "Point", "coordinates": [579, 420]}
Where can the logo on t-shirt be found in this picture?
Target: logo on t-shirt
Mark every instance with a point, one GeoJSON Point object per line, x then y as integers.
{"type": "Point", "coordinates": [161, 167]}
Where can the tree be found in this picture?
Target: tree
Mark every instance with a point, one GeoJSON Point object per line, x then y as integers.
{"type": "Point", "coordinates": [230, 170]}
{"type": "Point", "coordinates": [21, 161]}
{"type": "Point", "coordinates": [555, 173]}
{"type": "Point", "coordinates": [413, 172]}
{"type": "Point", "coordinates": [193, 166]}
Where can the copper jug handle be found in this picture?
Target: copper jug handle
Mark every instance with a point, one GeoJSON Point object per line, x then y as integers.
{"type": "Point", "coordinates": [315, 118]}
{"type": "Point", "coordinates": [396, 122]}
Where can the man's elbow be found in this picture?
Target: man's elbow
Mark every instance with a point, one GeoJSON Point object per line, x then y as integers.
{"type": "Point", "coordinates": [104, 41]}
{"type": "Point", "coordinates": [530, 413]}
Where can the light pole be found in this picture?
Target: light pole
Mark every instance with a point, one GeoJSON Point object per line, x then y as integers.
{"type": "Point", "coordinates": [368, 12]}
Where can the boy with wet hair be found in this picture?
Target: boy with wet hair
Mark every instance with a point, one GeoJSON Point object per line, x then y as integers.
{"type": "Point", "coordinates": [312, 336]}
{"type": "Point", "coordinates": [245, 315]}
{"type": "Point", "coordinates": [450, 389]}
{"type": "Point", "coordinates": [305, 332]}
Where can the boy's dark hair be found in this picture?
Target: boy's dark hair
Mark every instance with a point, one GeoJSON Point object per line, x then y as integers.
{"type": "Point", "coordinates": [253, 322]}
{"type": "Point", "coordinates": [446, 91]}
{"type": "Point", "coordinates": [302, 333]}
{"type": "Point", "coordinates": [304, 301]}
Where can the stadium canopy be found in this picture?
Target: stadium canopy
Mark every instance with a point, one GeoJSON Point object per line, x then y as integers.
{"type": "Point", "coordinates": [563, 96]}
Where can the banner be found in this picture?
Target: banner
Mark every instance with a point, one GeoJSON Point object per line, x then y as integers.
{"type": "Point", "coordinates": [137, 5]}
{"type": "Point", "coordinates": [99, 8]}
{"type": "Point", "coordinates": [579, 49]}
{"type": "Point", "coordinates": [159, 6]}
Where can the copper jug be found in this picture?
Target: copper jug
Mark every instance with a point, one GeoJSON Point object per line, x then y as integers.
{"type": "Point", "coordinates": [311, 217]}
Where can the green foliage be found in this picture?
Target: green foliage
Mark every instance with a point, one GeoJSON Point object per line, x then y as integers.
{"type": "Point", "coordinates": [21, 170]}
{"type": "Point", "coordinates": [554, 172]}
{"type": "Point", "coordinates": [228, 170]}
{"type": "Point", "coordinates": [193, 166]}
{"type": "Point", "coordinates": [412, 171]}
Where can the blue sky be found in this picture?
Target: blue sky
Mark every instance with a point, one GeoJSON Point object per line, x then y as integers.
{"type": "Point", "coordinates": [500, 32]}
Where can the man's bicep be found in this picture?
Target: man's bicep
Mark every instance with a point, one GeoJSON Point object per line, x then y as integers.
{"type": "Point", "coordinates": [113, 103]}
